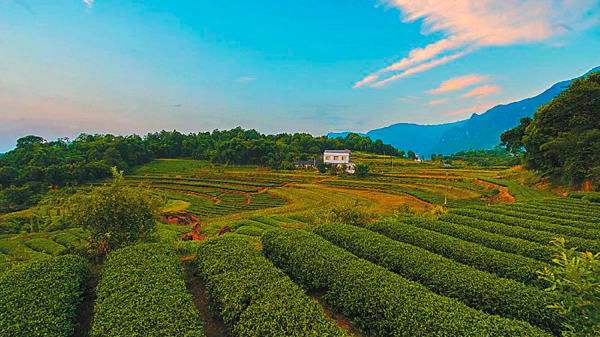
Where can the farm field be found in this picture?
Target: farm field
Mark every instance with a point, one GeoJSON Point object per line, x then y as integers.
{"type": "Point", "coordinates": [469, 271]}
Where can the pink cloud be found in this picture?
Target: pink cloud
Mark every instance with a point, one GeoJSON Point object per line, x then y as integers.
{"type": "Point", "coordinates": [458, 83]}
{"type": "Point", "coordinates": [482, 91]}
{"type": "Point", "coordinates": [437, 101]}
{"type": "Point", "coordinates": [420, 68]}
{"type": "Point", "coordinates": [472, 24]}
{"type": "Point", "coordinates": [473, 109]}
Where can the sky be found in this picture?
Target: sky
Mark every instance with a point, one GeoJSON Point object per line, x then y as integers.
{"type": "Point", "coordinates": [123, 67]}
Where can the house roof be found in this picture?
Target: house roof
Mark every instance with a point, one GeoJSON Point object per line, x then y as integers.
{"type": "Point", "coordinates": [338, 151]}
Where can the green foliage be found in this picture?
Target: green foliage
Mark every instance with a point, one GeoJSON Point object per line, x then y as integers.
{"type": "Point", "coordinates": [477, 289]}
{"type": "Point", "coordinates": [362, 170]}
{"type": "Point", "coordinates": [491, 240]}
{"type": "Point", "coordinates": [507, 265]}
{"type": "Point", "coordinates": [576, 277]}
{"type": "Point", "coordinates": [513, 139]}
{"type": "Point", "coordinates": [563, 140]}
{"type": "Point", "coordinates": [250, 231]}
{"type": "Point", "coordinates": [45, 246]}
{"type": "Point", "coordinates": [485, 158]}
{"type": "Point", "coordinates": [587, 196]}
{"type": "Point", "coordinates": [379, 302]}
{"type": "Point", "coordinates": [115, 214]}
{"type": "Point", "coordinates": [142, 292]}
{"type": "Point", "coordinates": [352, 214]}
{"type": "Point", "coordinates": [40, 298]}
{"type": "Point", "coordinates": [539, 236]}
{"type": "Point", "coordinates": [487, 214]}
{"type": "Point", "coordinates": [252, 296]}
{"type": "Point", "coordinates": [532, 214]}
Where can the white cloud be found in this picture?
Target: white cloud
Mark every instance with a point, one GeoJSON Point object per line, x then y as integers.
{"type": "Point", "coordinates": [89, 3]}
{"type": "Point", "coordinates": [245, 79]}
{"type": "Point", "coordinates": [483, 90]}
{"type": "Point", "coordinates": [457, 83]}
{"type": "Point", "coordinates": [437, 101]}
{"type": "Point", "coordinates": [472, 24]}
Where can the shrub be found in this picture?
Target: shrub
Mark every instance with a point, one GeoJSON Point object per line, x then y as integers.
{"type": "Point", "coordinates": [40, 298]}
{"type": "Point", "coordinates": [508, 265]}
{"type": "Point", "coordinates": [142, 293]}
{"type": "Point", "coordinates": [252, 296]}
{"type": "Point", "coordinates": [532, 214]}
{"type": "Point", "coordinates": [45, 246]}
{"type": "Point", "coordinates": [491, 240]}
{"type": "Point", "coordinates": [556, 215]}
{"type": "Point", "coordinates": [378, 301]}
{"type": "Point", "coordinates": [525, 223]}
{"type": "Point", "coordinates": [266, 220]}
{"type": "Point", "coordinates": [477, 289]}
{"type": "Point", "coordinates": [539, 236]}
{"type": "Point", "coordinates": [250, 231]}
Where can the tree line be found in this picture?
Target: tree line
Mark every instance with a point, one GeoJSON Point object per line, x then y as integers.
{"type": "Point", "coordinates": [36, 164]}
{"type": "Point", "coordinates": [562, 141]}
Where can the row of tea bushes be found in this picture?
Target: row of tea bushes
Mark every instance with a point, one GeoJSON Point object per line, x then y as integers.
{"type": "Point", "coordinates": [503, 264]}
{"type": "Point", "coordinates": [477, 289]}
{"type": "Point", "coordinates": [539, 236]}
{"type": "Point", "coordinates": [495, 241]}
{"type": "Point", "coordinates": [531, 224]}
{"type": "Point", "coordinates": [557, 215]}
{"type": "Point", "coordinates": [378, 301]}
{"type": "Point", "coordinates": [530, 214]}
{"type": "Point", "coordinates": [252, 296]}
{"type": "Point", "coordinates": [142, 292]}
{"type": "Point", "coordinates": [40, 298]}
{"type": "Point", "coordinates": [552, 206]}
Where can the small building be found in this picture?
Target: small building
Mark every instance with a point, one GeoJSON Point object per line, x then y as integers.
{"type": "Point", "coordinates": [339, 158]}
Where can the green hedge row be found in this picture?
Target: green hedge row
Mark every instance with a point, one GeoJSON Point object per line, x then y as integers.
{"type": "Point", "coordinates": [557, 215]}
{"type": "Point", "coordinates": [543, 237]}
{"type": "Point", "coordinates": [46, 246]}
{"type": "Point", "coordinates": [495, 241]}
{"type": "Point", "coordinates": [255, 298]}
{"type": "Point", "coordinates": [378, 301]}
{"type": "Point", "coordinates": [266, 220]}
{"type": "Point", "coordinates": [570, 205]}
{"type": "Point", "coordinates": [250, 231]}
{"type": "Point", "coordinates": [537, 225]}
{"type": "Point", "coordinates": [40, 298]}
{"type": "Point", "coordinates": [503, 264]}
{"type": "Point", "coordinates": [247, 222]}
{"type": "Point", "coordinates": [477, 289]}
{"type": "Point", "coordinates": [567, 209]}
{"type": "Point", "coordinates": [142, 292]}
{"type": "Point", "coordinates": [532, 214]}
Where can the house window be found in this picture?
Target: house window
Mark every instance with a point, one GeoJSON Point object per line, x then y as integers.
{"type": "Point", "coordinates": [335, 158]}
{"type": "Point", "coordinates": [328, 157]}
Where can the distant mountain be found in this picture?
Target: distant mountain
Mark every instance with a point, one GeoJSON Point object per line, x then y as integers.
{"type": "Point", "coordinates": [478, 132]}
{"type": "Point", "coordinates": [343, 134]}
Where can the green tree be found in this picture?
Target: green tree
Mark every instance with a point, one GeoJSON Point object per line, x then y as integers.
{"type": "Point", "coordinates": [412, 155]}
{"type": "Point", "coordinates": [575, 278]}
{"type": "Point", "coordinates": [362, 170]}
{"type": "Point", "coordinates": [513, 138]}
{"type": "Point", "coordinates": [116, 214]}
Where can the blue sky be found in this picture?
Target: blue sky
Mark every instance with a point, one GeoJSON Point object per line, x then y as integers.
{"type": "Point", "coordinates": [72, 66]}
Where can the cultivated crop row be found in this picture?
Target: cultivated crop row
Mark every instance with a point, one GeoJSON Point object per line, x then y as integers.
{"type": "Point", "coordinates": [253, 297]}
{"type": "Point", "coordinates": [503, 264]}
{"type": "Point", "coordinates": [535, 216]}
{"type": "Point", "coordinates": [40, 298]}
{"type": "Point", "coordinates": [488, 239]}
{"type": "Point", "coordinates": [564, 209]}
{"type": "Point", "coordinates": [556, 214]}
{"type": "Point", "coordinates": [377, 300]}
{"type": "Point", "coordinates": [477, 289]}
{"type": "Point", "coordinates": [142, 292]}
{"type": "Point", "coordinates": [532, 224]}
{"type": "Point", "coordinates": [539, 236]}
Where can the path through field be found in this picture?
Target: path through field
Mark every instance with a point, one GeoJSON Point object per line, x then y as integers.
{"type": "Point", "coordinates": [85, 311]}
{"type": "Point", "coordinates": [213, 327]}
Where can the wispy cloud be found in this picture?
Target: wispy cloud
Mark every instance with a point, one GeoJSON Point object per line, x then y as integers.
{"type": "Point", "coordinates": [472, 24]}
{"type": "Point", "coordinates": [89, 3]}
{"type": "Point", "coordinates": [482, 91]}
{"type": "Point", "coordinates": [437, 101]}
{"type": "Point", "coordinates": [245, 79]}
{"type": "Point", "coordinates": [406, 99]}
{"type": "Point", "coordinates": [473, 109]}
{"type": "Point", "coordinates": [457, 83]}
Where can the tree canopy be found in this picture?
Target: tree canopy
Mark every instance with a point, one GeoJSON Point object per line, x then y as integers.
{"type": "Point", "coordinates": [563, 139]}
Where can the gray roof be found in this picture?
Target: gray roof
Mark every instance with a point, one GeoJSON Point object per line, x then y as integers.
{"type": "Point", "coordinates": [338, 151]}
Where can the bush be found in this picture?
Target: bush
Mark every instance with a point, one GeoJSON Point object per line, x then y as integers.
{"type": "Point", "coordinates": [40, 298]}
{"type": "Point", "coordinates": [142, 292]}
{"type": "Point", "coordinates": [378, 301]}
{"type": "Point", "coordinates": [525, 223]}
{"type": "Point", "coordinates": [45, 246]}
{"type": "Point", "coordinates": [255, 298]}
{"type": "Point", "coordinates": [250, 231]}
{"type": "Point", "coordinates": [538, 236]}
{"type": "Point", "coordinates": [532, 214]}
{"type": "Point", "coordinates": [507, 265]}
{"type": "Point", "coordinates": [266, 220]}
{"type": "Point", "coordinates": [477, 289]}
{"type": "Point", "coordinates": [491, 240]}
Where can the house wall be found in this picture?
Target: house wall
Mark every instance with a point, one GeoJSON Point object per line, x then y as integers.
{"type": "Point", "coordinates": [336, 158]}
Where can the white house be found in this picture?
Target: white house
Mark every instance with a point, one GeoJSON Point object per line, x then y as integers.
{"type": "Point", "coordinates": [339, 158]}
